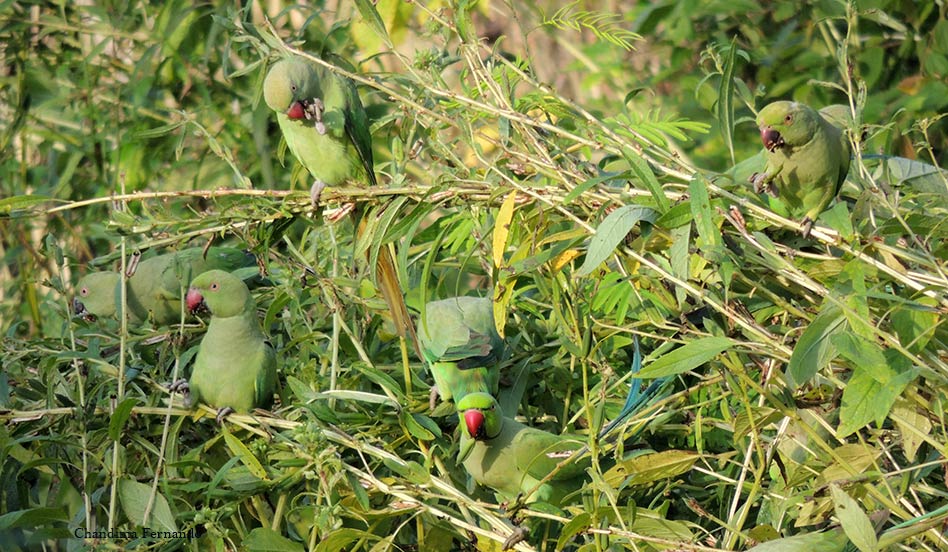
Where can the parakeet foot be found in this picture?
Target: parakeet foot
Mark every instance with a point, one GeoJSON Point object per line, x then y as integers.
{"type": "Point", "coordinates": [807, 227]}
{"type": "Point", "coordinates": [761, 184]}
{"type": "Point", "coordinates": [223, 413]}
{"type": "Point", "coordinates": [314, 111]}
{"type": "Point", "coordinates": [433, 397]}
{"type": "Point", "coordinates": [519, 535]}
{"type": "Point", "coordinates": [179, 386]}
{"type": "Point", "coordinates": [315, 192]}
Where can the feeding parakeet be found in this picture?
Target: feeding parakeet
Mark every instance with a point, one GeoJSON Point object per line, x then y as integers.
{"type": "Point", "coordinates": [459, 341]}
{"type": "Point", "coordinates": [807, 159]}
{"type": "Point", "coordinates": [512, 458]}
{"type": "Point", "coordinates": [235, 368]}
{"type": "Point", "coordinates": [326, 128]}
{"type": "Point", "coordinates": [154, 290]}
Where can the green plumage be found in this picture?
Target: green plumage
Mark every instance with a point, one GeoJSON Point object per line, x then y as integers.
{"type": "Point", "coordinates": [235, 367]}
{"type": "Point", "coordinates": [154, 290]}
{"type": "Point", "coordinates": [326, 128]}
{"type": "Point", "coordinates": [95, 294]}
{"type": "Point", "coordinates": [807, 158]}
{"type": "Point", "coordinates": [512, 458]}
{"type": "Point", "coordinates": [340, 149]}
{"type": "Point", "coordinates": [460, 343]}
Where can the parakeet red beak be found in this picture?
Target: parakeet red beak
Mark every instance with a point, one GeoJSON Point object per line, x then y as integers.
{"type": "Point", "coordinates": [771, 138]}
{"type": "Point", "coordinates": [194, 299]}
{"type": "Point", "coordinates": [475, 423]}
{"type": "Point", "coordinates": [296, 111]}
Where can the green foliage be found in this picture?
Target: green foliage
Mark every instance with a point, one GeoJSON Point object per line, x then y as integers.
{"type": "Point", "coordinates": [591, 190]}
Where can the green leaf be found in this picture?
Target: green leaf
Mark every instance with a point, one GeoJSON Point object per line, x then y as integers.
{"type": "Point", "coordinates": [915, 324]}
{"type": "Point", "coordinates": [572, 528]}
{"type": "Point", "coordinates": [34, 517]}
{"type": "Point", "coordinates": [341, 538]}
{"type": "Point", "coordinates": [676, 217]}
{"type": "Point", "coordinates": [373, 19]}
{"type": "Point", "coordinates": [263, 539]}
{"type": "Point", "coordinates": [687, 357]}
{"type": "Point", "coordinates": [414, 428]}
{"type": "Point", "coordinates": [358, 491]}
{"type": "Point", "coordinates": [814, 350]}
{"type": "Point", "coordinates": [725, 104]}
{"type": "Point", "coordinates": [709, 237]}
{"type": "Point", "coordinates": [645, 175]}
{"type": "Point", "coordinates": [15, 203]}
{"type": "Point", "coordinates": [649, 468]}
{"type": "Point", "coordinates": [240, 450]}
{"type": "Point", "coordinates": [611, 232]}
{"type": "Point", "coordinates": [877, 381]}
{"type": "Point", "coordinates": [855, 522]}
{"type": "Point", "coordinates": [120, 416]}
{"type": "Point", "coordinates": [134, 497]}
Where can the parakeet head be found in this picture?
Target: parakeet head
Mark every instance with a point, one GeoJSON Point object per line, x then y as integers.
{"type": "Point", "coordinates": [95, 295]}
{"type": "Point", "coordinates": [786, 124]}
{"type": "Point", "coordinates": [289, 87]}
{"type": "Point", "coordinates": [223, 294]}
{"type": "Point", "coordinates": [480, 415]}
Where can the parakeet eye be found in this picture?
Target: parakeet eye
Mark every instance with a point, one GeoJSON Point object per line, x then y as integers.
{"type": "Point", "coordinates": [84, 291]}
{"type": "Point", "coordinates": [214, 286]}
{"type": "Point", "coordinates": [788, 119]}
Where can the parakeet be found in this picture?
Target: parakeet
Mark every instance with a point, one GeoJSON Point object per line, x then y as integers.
{"type": "Point", "coordinates": [154, 290]}
{"type": "Point", "coordinates": [95, 295]}
{"type": "Point", "coordinates": [235, 368]}
{"type": "Point", "coordinates": [326, 128]}
{"type": "Point", "coordinates": [833, 540]}
{"type": "Point", "coordinates": [807, 159]}
{"type": "Point", "coordinates": [459, 341]}
{"type": "Point", "coordinates": [512, 458]}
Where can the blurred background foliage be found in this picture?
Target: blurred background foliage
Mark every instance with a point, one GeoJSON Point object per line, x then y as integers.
{"type": "Point", "coordinates": [507, 135]}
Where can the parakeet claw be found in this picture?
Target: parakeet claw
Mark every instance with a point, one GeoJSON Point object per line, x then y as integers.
{"type": "Point", "coordinates": [519, 535]}
{"type": "Point", "coordinates": [314, 110]}
{"type": "Point", "coordinates": [179, 386]}
{"type": "Point", "coordinates": [315, 192]}
{"type": "Point", "coordinates": [762, 185]}
{"type": "Point", "coordinates": [223, 413]}
{"type": "Point", "coordinates": [807, 226]}
{"type": "Point", "coordinates": [433, 397]}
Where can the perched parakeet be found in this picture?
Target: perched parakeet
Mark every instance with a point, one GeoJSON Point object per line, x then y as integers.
{"type": "Point", "coordinates": [153, 291]}
{"type": "Point", "coordinates": [827, 541]}
{"type": "Point", "coordinates": [807, 159]}
{"type": "Point", "coordinates": [327, 130]}
{"type": "Point", "coordinates": [459, 341]}
{"type": "Point", "coordinates": [512, 458]}
{"type": "Point", "coordinates": [235, 368]}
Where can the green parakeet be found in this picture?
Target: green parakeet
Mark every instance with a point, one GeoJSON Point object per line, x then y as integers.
{"type": "Point", "coordinates": [807, 159]}
{"type": "Point", "coordinates": [235, 368]}
{"type": "Point", "coordinates": [827, 541]}
{"type": "Point", "coordinates": [154, 290]}
{"type": "Point", "coordinates": [512, 458]}
{"type": "Point", "coordinates": [326, 128]}
{"type": "Point", "coordinates": [95, 295]}
{"type": "Point", "coordinates": [459, 341]}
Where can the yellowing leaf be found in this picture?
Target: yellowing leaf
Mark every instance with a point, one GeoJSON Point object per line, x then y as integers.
{"type": "Point", "coordinates": [502, 228]}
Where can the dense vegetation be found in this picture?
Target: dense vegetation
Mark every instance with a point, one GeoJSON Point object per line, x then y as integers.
{"type": "Point", "coordinates": [573, 162]}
